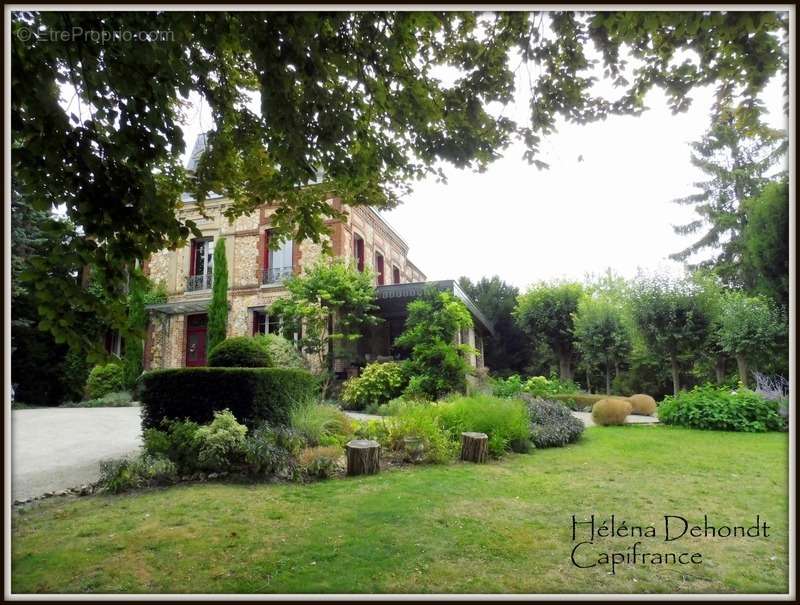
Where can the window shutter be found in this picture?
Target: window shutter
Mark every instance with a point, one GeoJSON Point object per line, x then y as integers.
{"type": "Point", "coordinates": [192, 256]}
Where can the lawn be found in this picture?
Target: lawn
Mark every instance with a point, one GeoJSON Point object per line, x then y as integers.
{"type": "Point", "coordinates": [504, 527]}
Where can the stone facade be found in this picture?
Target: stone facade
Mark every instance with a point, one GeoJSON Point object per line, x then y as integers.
{"type": "Point", "coordinates": [245, 247]}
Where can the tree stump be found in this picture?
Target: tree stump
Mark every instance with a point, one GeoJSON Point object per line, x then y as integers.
{"type": "Point", "coordinates": [474, 447]}
{"type": "Point", "coordinates": [363, 457]}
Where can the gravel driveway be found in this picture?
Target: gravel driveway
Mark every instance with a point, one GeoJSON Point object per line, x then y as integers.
{"type": "Point", "coordinates": [54, 449]}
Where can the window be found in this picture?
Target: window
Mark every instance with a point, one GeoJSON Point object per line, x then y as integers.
{"type": "Point", "coordinates": [395, 274]}
{"type": "Point", "coordinates": [113, 344]}
{"type": "Point", "coordinates": [278, 263]}
{"type": "Point", "coordinates": [379, 268]}
{"type": "Point", "coordinates": [264, 324]}
{"type": "Point", "coordinates": [358, 251]}
{"type": "Point", "coordinates": [202, 261]}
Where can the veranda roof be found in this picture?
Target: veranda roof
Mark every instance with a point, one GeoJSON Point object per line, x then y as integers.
{"type": "Point", "coordinates": [393, 298]}
{"type": "Point", "coordinates": [186, 307]}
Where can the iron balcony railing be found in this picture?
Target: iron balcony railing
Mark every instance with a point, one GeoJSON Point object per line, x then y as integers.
{"type": "Point", "coordinates": [199, 282]}
{"type": "Point", "coordinates": [275, 275]}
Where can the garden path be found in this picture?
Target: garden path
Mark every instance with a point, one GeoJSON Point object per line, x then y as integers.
{"type": "Point", "coordinates": [585, 417]}
{"type": "Point", "coordinates": [54, 449]}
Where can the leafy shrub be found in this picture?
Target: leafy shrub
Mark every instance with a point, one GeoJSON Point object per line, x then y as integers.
{"type": "Point", "coordinates": [281, 352]}
{"type": "Point", "coordinates": [377, 384]}
{"type": "Point", "coordinates": [175, 440]}
{"type": "Point", "coordinates": [552, 424]}
{"type": "Point", "coordinates": [74, 374]}
{"type": "Point", "coordinates": [320, 462]}
{"type": "Point", "coordinates": [507, 387]}
{"type": "Point", "coordinates": [709, 407]}
{"type": "Point", "coordinates": [143, 471]}
{"type": "Point", "coordinates": [320, 424]}
{"type": "Point", "coordinates": [220, 445]}
{"type": "Point", "coordinates": [376, 430]}
{"type": "Point", "coordinates": [117, 399]}
{"type": "Point", "coordinates": [505, 421]}
{"type": "Point", "coordinates": [239, 352]}
{"type": "Point", "coordinates": [643, 405]}
{"type": "Point", "coordinates": [421, 421]}
{"type": "Point", "coordinates": [272, 450]}
{"type": "Point", "coordinates": [254, 395]}
{"type": "Point", "coordinates": [105, 379]}
{"type": "Point", "coordinates": [436, 366]}
{"type": "Point", "coordinates": [537, 386]}
{"type": "Point", "coordinates": [391, 408]}
{"type": "Point", "coordinates": [611, 411]}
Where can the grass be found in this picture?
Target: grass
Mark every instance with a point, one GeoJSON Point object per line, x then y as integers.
{"type": "Point", "coordinates": [503, 527]}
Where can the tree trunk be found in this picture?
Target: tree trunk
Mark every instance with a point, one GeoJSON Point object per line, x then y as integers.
{"type": "Point", "coordinates": [363, 457]}
{"type": "Point", "coordinates": [616, 369]}
{"type": "Point", "coordinates": [741, 362]}
{"type": "Point", "coordinates": [564, 366]}
{"type": "Point", "coordinates": [719, 369]}
{"type": "Point", "coordinates": [588, 380]}
{"type": "Point", "coordinates": [608, 379]}
{"type": "Point", "coordinates": [676, 386]}
{"type": "Point", "coordinates": [474, 447]}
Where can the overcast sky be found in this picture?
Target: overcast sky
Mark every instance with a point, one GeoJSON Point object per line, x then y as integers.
{"type": "Point", "coordinates": [610, 209]}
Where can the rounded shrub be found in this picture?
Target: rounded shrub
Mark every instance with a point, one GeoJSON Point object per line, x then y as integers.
{"type": "Point", "coordinates": [104, 379]}
{"type": "Point", "coordinates": [377, 384]}
{"type": "Point", "coordinates": [552, 424]}
{"type": "Point", "coordinates": [281, 352]}
{"type": "Point", "coordinates": [643, 405]}
{"type": "Point", "coordinates": [238, 352]}
{"type": "Point", "coordinates": [611, 411]}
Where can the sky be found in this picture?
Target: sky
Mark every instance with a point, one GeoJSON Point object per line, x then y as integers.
{"type": "Point", "coordinates": [605, 202]}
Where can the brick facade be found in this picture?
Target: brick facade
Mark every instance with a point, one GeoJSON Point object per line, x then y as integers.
{"type": "Point", "coordinates": [245, 247]}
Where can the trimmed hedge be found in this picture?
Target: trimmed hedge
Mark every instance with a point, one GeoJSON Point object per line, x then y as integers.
{"type": "Point", "coordinates": [239, 352]}
{"type": "Point", "coordinates": [254, 395]}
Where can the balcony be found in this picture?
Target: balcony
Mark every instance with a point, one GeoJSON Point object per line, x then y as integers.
{"type": "Point", "coordinates": [195, 283]}
{"type": "Point", "coordinates": [275, 275]}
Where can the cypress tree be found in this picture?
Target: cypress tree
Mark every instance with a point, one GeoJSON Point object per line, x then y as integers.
{"type": "Point", "coordinates": [218, 309]}
{"type": "Point", "coordinates": [137, 324]}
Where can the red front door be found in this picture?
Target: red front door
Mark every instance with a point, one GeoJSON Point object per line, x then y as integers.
{"type": "Point", "coordinates": [196, 326]}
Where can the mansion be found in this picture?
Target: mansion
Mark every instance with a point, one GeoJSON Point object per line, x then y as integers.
{"type": "Point", "coordinates": [176, 335]}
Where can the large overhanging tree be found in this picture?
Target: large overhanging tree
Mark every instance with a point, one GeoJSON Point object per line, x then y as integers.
{"type": "Point", "coordinates": [97, 123]}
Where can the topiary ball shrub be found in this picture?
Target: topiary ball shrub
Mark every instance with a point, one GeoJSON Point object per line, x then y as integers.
{"type": "Point", "coordinates": [552, 424]}
{"type": "Point", "coordinates": [238, 352]}
{"type": "Point", "coordinates": [282, 352]}
{"type": "Point", "coordinates": [611, 411]}
{"type": "Point", "coordinates": [105, 379]}
{"type": "Point", "coordinates": [377, 384]}
{"type": "Point", "coordinates": [641, 404]}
